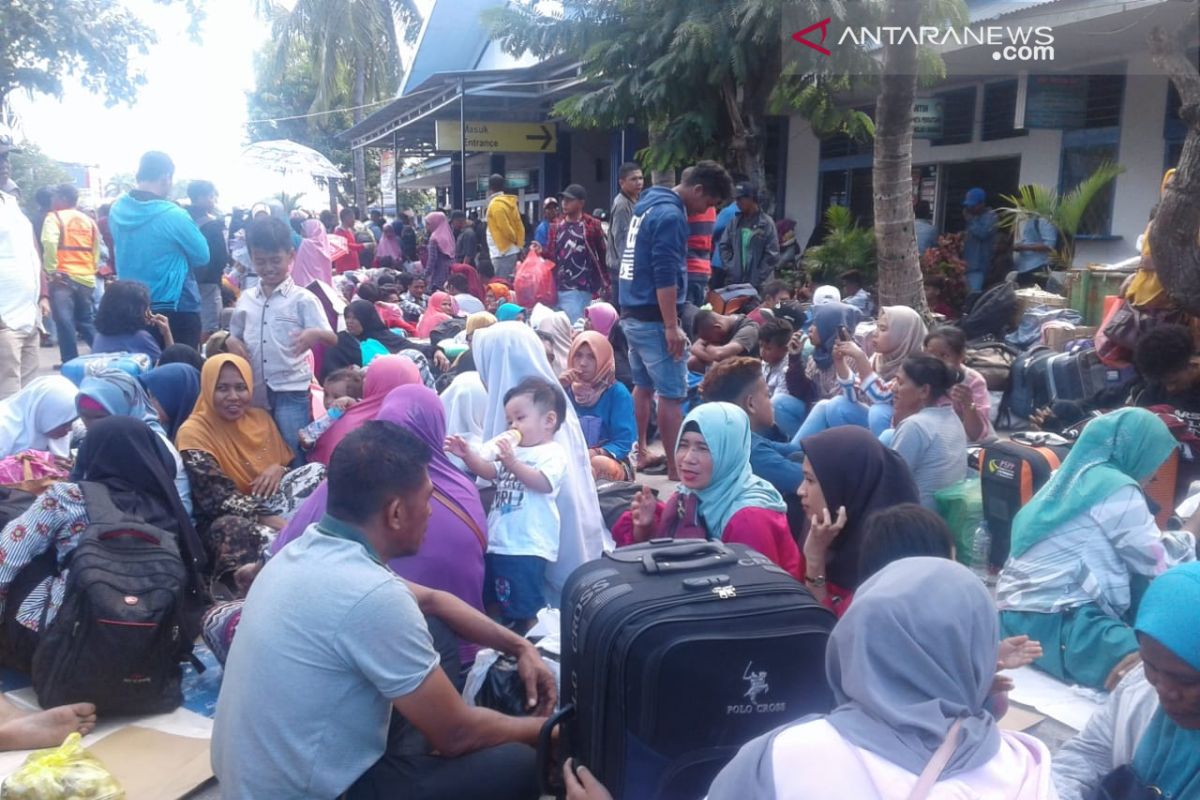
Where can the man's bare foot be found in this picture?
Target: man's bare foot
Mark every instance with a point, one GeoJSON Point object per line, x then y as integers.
{"type": "Point", "coordinates": [1122, 669]}
{"type": "Point", "coordinates": [47, 728]}
{"type": "Point", "coordinates": [650, 460]}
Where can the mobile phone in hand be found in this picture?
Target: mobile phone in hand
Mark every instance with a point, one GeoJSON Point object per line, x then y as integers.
{"type": "Point", "coordinates": [843, 333]}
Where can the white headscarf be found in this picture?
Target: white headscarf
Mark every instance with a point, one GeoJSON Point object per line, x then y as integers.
{"type": "Point", "coordinates": [43, 405]}
{"type": "Point", "coordinates": [465, 401]}
{"type": "Point", "coordinates": [506, 353]}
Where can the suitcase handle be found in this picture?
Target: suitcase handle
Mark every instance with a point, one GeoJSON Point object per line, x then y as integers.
{"type": "Point", "coordinates": [700, 555]}
{"type": "Point", "coordinates": [547, 768]}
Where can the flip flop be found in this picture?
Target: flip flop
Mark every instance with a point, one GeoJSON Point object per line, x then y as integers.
{"type": "Point", "coordinates": [659, 468]}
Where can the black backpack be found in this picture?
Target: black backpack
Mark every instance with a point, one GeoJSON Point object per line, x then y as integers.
{"type": "Point", "coordinates": [992, 314]}
{"type": "Point", "coordinates": [121, 633]}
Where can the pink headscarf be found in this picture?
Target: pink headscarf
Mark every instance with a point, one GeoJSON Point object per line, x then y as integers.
{"type": "Point", "coordinates": [384, 374]}
{"type": "Point", "coordinates": [316, 254]}
{"type": "Point", "coordinates": [389, 245]}
{"type": "Point", "coordinates": [434, 315]}
{"type": "Point", "coordinates": [440, 234]}
{"type": "Point", "coordinates": [603, 316]}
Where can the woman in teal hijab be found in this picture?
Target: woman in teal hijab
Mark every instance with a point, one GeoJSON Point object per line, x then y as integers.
{"type": "Point", "coordinates": [1150, 727]}
{"type": "Point", "coordinates": [508, 312]}
{"type": "Point", "coordinates": [720, 498]}
{"type": "Point", "coordinates": [1080, 545]}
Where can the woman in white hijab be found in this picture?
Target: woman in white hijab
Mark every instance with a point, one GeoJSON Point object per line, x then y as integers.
{"type": "Point", "coordinates": [466, 402]}
{"type": "Point", "coordinates": [505, 354]}
{"type": "Point", "coordinates": [39, 417]}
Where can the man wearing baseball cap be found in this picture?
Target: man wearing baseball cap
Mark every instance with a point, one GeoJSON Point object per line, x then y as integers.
{"type": "Point", "coordinates": [550, 212]}
{"type": "Point", "coordinates": [576, 245]}
{"type": "Point", "coordinates": [22, 288]}
{"type": "Point", "coordinates": [979, 241]}
{"type": "Point", "coordinates": [750, 244]}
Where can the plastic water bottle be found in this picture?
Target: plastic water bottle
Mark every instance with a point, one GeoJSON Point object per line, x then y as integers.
{"type": "Point", "coordinates": [309, 434]}
{"type": "Point", "coordinates": [981, 546]}
{"type": "Point", "coordinates": [490, 450]}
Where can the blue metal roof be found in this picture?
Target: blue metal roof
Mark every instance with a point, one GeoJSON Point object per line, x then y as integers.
{"type": "Point", "coordinates": [453, 39]}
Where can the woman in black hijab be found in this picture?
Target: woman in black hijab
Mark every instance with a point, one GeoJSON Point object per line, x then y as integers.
{"type": "Point", "coordinates": [848, 475]}
{"type": "Point", "coordinates": [362, 323]}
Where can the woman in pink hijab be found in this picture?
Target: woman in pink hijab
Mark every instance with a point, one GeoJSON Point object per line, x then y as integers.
{"type": "Point", "coordinates": [389, 247]}
{"type": "Point", "coordinates": [441, 249]}
{"type": "Point", "coordinates": [441, 308]}
{"type": "Point", "coordinates": [312, 269]}
{"type": "Point", "coordinates": [384, 374]}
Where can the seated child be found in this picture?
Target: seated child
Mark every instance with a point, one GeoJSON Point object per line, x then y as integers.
{"type": "Point", "coordinates": [523, 522]}
{"type": "Point", "coordinates": [773, 338]}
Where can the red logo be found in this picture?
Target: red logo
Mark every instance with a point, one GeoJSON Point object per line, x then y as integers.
{"type": "Point", "coordinates": [824, 26]}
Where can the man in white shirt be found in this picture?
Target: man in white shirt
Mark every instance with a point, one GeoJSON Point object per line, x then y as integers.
{"type": "Point", "coordinates": [22, 295]}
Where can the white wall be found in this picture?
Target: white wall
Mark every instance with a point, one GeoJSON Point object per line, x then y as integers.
{"type": "Point", "coordinates": [1141, 152]}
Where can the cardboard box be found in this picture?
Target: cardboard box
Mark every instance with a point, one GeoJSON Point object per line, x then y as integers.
{"type": "Point", "coordinates": [1057, 338]}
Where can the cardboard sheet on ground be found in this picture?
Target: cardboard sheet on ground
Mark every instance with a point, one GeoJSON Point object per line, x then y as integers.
{"type": "Point", "coordinates": [1070, 705]}
{"type": "Point", "coordinates": [1019, 719]}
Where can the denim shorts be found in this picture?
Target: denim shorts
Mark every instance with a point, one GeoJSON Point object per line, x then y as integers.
{"type": "Point", "coordinates": [516, 584]}
{"type": "Point", "coordinates": [651, 364]}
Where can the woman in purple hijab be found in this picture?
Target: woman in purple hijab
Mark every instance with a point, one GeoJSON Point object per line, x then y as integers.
{"type": "Point", "coordinates": [451, 557]}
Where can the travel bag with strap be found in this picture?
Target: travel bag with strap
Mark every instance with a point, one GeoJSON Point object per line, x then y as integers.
{"type": "Point", "coordinates": [122, 630]}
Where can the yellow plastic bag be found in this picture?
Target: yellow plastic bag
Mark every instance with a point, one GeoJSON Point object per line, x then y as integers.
{"type": "Point", "coordinates": [67, 772]}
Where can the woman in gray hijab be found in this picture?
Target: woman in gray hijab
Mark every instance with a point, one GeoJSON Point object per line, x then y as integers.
{"type": "Point", "coordinates": [911, 683]}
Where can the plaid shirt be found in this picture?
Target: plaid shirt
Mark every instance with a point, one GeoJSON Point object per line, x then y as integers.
{"type": "Point", "coordinates": [593, 234]}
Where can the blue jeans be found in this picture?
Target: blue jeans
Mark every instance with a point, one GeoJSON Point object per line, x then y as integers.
{"type": "Point", "coordinates": [975, 279]}
{"type": "Point", "coordinates": [71, 305]}
{"type": "Point", "coordinates": [697, 289]}
{"type": "Point", "coordinates": [291, 412]}
{"type": "Point", "coordinates": [572, 302]}
{"type": "Point", "coordinates": [789, 413]}
{"type": "Point", "coordinates": [830, 414]}
{"type": "Point", "coordinates": [879, 418]}
{"type": "Point", "coordinates": [650, 362]}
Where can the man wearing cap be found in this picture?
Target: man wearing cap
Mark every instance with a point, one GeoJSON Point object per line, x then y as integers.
{"type": "Point", "coordinates": [576, 246]}
{"type": "Point", "coordinates": [979, 239]}
{"type": "Point", "coordinates": [750, 244]}
{"type": "Point", "coordinates": [550, 212]}
{"type": "Point", "coordinates": [505, 231]}
{"type": "Point", "coordinates": [22, 284]}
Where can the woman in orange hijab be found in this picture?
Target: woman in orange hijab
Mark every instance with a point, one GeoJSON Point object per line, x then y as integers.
{"type": "Point", "coordinates": [1144, 290]}
{"type": "Point", "coordinates": [242, 490]}
{"type": "Point", "coordinates": [604, 407]}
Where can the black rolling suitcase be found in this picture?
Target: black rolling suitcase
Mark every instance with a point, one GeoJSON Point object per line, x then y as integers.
{"type": "Point", "coordinates": [674, 654]}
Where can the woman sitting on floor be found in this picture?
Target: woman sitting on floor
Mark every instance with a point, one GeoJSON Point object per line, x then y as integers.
{"type": "Point", "coordinates": [365, 338]}
{"type": "Point", "coordinates": [1149, 730]}
{"type": "Point", "coordinates": [865, 381]}
{"type": "Point", "coordinates": [929, 435]}
{"type": "Point", "coordinates": [720, 498]}
{"type": "Point", "coordinates": [848, 476]}
{"type": "Point", "coordinates": [39, 417]}
{"type": "Point", "coordinates": [604, 407]}
{"type": "Point", "coordinates": [114, 393]}
{"type": "Point", "coordinates": [1082, 542]}
{"type": "Point", "coordinates": [602, 318]}
{"type": "Point", "coordinates": [173, 389]}
{"type": "Point", "coordinates": [442, 308]}
{"type": "Point", "coordinates": [911, 665]}
{"type": "Point", "coordinates": [242, 491]}
{"type": "Point", "coordinates": [124, 322]}
{"type": "Point", "coordinates": [385, 374]}
{"type": "Point", "coordinates": [123, 456]}
{"type": "Point", "coordinates": [969, 397]}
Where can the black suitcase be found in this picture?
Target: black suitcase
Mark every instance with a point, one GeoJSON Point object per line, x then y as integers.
{"type": "Point", "coordinates": [674, 654]}
{"type": "Point", "coordinates": [1010, 474]}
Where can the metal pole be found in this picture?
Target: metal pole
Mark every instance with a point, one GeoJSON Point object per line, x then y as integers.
{"type": "Point", "coordinates": [462, 140]}
{"type": "Point", "coordinates": [396, 173]}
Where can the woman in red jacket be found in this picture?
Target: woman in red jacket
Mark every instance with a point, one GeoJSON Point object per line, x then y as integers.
{"type": "Point", "coordinates": [720, 497]}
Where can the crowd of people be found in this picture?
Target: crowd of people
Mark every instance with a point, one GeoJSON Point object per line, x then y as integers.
{"type": "Point", "coordinates": [375, 461]}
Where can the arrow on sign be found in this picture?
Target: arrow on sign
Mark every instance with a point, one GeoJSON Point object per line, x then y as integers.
{"type": "Point", "coordinates": [546, 138]}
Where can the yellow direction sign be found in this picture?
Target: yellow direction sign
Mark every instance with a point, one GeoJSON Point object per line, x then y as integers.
{"type": "Point", "coordinates": [499, 137]}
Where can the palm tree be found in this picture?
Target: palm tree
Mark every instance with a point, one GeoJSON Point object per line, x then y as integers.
{"type": "Point", "coordinates": [290, 202]}
{"type": "Point", "coordinates": [351, 42]}
{"type": "Point", "coordinates": [1064, 212]}
{"type": "Point", "coordinates": [119, 184]}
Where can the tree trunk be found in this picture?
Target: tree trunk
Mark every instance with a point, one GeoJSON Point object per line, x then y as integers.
{"type": "Point", "coordinates": [1173, 233]}
{"type": "Point", "coordinates": [900, 280]}
{"type": "Point", "coordinates": [745, 142]}
{"type": "Point", "coordinates": [360, 157]}
{"type": "Point", "coordinates": [659, 177]}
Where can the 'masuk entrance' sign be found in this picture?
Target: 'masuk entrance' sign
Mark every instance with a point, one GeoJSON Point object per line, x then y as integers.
{"type": "Point", "coordinates": [499, 137]}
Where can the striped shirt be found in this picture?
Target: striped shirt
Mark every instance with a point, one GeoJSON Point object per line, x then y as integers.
{"type": "Point", "coordinates": [1090, 559]}
{"type": "Point", "coordinates": [700, 242]}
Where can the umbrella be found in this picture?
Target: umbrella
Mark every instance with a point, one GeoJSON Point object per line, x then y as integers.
{"type": "Point", "coordinates": [284, 155]}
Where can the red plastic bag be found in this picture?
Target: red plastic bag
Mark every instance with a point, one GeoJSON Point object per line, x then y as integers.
{"type": "Point", "coordinates": [534, 282]}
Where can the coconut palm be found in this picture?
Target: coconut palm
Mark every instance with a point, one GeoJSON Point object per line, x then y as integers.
{"type": "Point", "coordinates": [846, 246]}
{"type": "Point", "coordinates": [348, 41]}
{"type": "Point", "coordinates": [1065, 212]}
